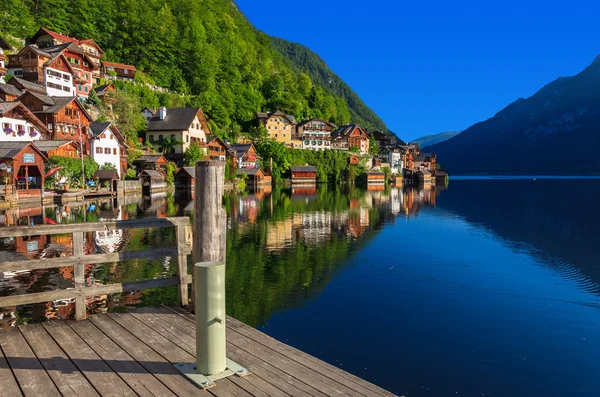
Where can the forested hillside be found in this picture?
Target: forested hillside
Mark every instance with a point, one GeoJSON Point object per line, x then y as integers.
{"type": "Point", "coordinates": [204, 48]}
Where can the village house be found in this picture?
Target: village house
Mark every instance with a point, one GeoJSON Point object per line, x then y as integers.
{"type": "Point", "coordinates": [118, 70]}
{"type": "Point", "coordinates": [279, 126]}
{"type": "Point", "coordinates": [64, 117]}
{"type": "Point", "coordinates": [3, 47]}
{"type": "Point", "coordinates": [83, 66]}
{"type": "Point", "coordinates": [9, 93]}
{"type": "Point", "coordinates": [108, 146]}
{"type": "Point", "coordinates": [20, 124]}
{"type": "Point", "coordinates": [104, 89]}
{"type": "Point", "coordinates": [148, 113]}
{"type": "Point", "coordinates": [245, 155]}
{"type": "Point", "coordinates": [303, 174]}
{"type": "Point", "coordinates": [49, 70]}
{"type": "Point", "coordinates": [24, 85]}
{"type": "Point", "coordinates": [185, 125]}
{"type": "Point", "coordinates": [394, 156]}
{"type": "Point", "coordinates": [217, 149]}
{"type": "Point", "coordinates": [22, 167]}
{"type": "Point", "coordinates": [412, 151]}
{"type": "Point", "coordinates": [316, 134]}
{"type": "Point", "coordinates": [60, 148]}
{"type": "Point", "coordinates": [425, 161]}
{"type": "Point", "coordinates": [153, 162]}
{"type": "Point", "coordinates": [256, 177]}
{"type": "Point", "coordinates": [350, 136]}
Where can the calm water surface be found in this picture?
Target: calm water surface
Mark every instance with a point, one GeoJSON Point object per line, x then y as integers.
{"type": "Point", "coordinates": [486, 288]}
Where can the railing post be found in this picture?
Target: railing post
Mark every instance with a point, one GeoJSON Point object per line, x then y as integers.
{"type": "Point", "coordinates": [210, 219]}
{"type": "Point", "coordinates": [211, 346]}
{"type": "Point", "coordinates": [79, 275]}
{"type": "Point", "coordinates": [182, 265]}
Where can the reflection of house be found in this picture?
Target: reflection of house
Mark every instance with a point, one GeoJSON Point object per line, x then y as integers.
{"type": "Point", "coordinates": [279, 235]}
{"type": "Point", "coordinates": [316, 134]}
{"type": "Point", "coordinates": [19, 123]}
{"type": "Point", "coordinates": [245, 155]}
{"type": "Point", "coordinates": [109, 240]}
{"type": "Point", "coordinates": [183, 125]}
{"type": "Point", "coordinates": [24, 168]}
{"type": "Point", "coordinates": [280, 126]}
{"type": "Point", "coordinates": [316, 227]}
{"type": "Point", "coordinates": [350, 136]}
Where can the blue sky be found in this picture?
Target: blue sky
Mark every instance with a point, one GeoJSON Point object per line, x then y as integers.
{"type": "Point", "coordinates": [430, 66]}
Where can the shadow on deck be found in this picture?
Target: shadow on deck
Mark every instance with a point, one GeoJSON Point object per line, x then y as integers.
{"type": "Point", "coordinates": [131, 354]}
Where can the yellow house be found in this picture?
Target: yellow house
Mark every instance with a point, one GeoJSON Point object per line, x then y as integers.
{"type": "Point", "coordinates": [280, 127]}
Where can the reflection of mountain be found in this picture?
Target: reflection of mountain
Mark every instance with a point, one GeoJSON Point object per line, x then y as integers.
{"type": "Point", "coordinates": [537, 217]}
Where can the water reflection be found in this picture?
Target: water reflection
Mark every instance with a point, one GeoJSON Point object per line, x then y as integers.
{"type": "Point", "coordinates": [283, 245]}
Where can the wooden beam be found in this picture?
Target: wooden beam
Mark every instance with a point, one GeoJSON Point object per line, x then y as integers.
{"type": "Point", "coordinates": [79, 274]}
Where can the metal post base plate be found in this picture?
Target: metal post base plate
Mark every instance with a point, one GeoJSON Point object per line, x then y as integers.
{"type": "Point", "coordinates": [204, 381]}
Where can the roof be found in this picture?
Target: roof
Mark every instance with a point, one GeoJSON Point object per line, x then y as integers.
{"type": "Point", "coordinates": [7, 106]}
{"type": "Point", "coordinates": [91, 41]}
{"type": "Point", "coordinates": [102, 89]}
{"type": "Point", "coordinates": [191, 171]}
{"type": "Point", "coordinates": [28, 85]}
{"type": "Point", "coordinates": [266, 115]}
{"type": "Point", "coordinates": [317, 120]}
{"type": "Point", "coordinates": [97, 128]}
{"type": "Point", "coordinates": [153, 174]}
{"type": "Point", "coordinates": [10, 90]}
{"type": "Point", "coordinates": [55, 35]}
{"type": "Point", "coordinates": [249, 171]}
{"type": "Point", "coordinates": [118, 65]}
{"type": "Point", "coordinates": [344, 131]}
{"type": "Point", "coordinates": [9, 150]}
{"type": "Point", "coordinates": [239, 149]}
{"type": "Point", "coordinates": [424, 157]}
{"type": "Point", "coordinates": [148, 158]}
{"type": "Point", "coordinates": [46, 100]}
{"type": "Point", "coordinates": [46, 146]}
{"type": "Point", "coordinates": [59, 103]}
{"type": "Point", "coordinates": [177, 119]}
{"type": "Point", "coordinates": [303, 168]}
{"type": "Point", "coordinates": [106, 174]}
{"type": "Point", "coordinates": [4, 44]}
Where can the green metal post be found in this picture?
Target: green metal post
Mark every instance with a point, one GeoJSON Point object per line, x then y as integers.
{"type": "Point", "coordinates": [211, 355]}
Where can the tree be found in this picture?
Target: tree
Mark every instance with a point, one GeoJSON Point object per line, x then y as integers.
{"type": "Point", "coordinates": [167, 144]}
{"type": "Point", "coordinates": [71, 169]}
{"type": "Point", "coordinates": [108, 166]}
{"type": "Point", "coordinates": [388, 173]}
{"type": "Point", "coordinates": [258, 132]}
{"type": "Point", "coordinates": [93, 98]}
{"type": "Point", "coordinates": [193, 154]}
{"type": "Point", "coordinates": [354, 149]}
{"type": "Point", "coordinates": [127, 110]}
{"type": "Point", "coordinates": [373, 146]}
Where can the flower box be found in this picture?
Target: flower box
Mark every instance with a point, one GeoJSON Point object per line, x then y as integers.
{"type": "Point", "coordinates": [8, 130]}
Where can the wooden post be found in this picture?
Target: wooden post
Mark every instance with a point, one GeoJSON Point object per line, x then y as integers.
{"type": "Point", "coordinates": [79, 275]}
{"type": "Point", "coordinates": [183, 299]}
{"type": "Point", "coordinates": [210, 219]}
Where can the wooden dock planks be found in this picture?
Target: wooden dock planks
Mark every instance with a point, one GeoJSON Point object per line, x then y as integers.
{"type": "Point", "coordinates": [132, 354]}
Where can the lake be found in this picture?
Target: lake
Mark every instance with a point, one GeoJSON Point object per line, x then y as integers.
{"type": "Point", "coordinates": [486, 287]}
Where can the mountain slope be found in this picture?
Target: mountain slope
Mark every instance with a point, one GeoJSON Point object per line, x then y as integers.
{"type": "Point", "coordinates": [555, 131]}
{"type": "Point", "coordinates": [428, 140]}
{"type": "Point", "coordinates": [304, 60]}
{"type": "Point", "coordinates": [206, 49]}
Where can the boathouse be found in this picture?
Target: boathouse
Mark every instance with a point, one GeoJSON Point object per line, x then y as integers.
{"type": "Point", "coordinates": [423, 177]}
{"type": "Point", "coordinates": [22, 166]}
{"type": "Point", "coordinates": [303, 174]}
{"type": "Point", "coordinates": [107, 177]}
{"type": "Point", "coordinates": [185, 178]}
{"type": "Point", "coordinates": [152, 181]}
{"type": "Point", "coordinates": [374, 178]}
{"type": "Point", "coordinates": [256, 176]}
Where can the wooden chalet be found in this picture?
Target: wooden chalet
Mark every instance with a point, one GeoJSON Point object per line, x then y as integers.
{"type": "Point", "coordinates": [152, 181]}
{"type": "Point", "coordinates": [246, 155]}
{"type": "Point", "coordinates": [350, 136]}
{"type": "Point", "coordinates": [121, 71]}
{"type": "Point", "coordinates": [217, 149]}
{"type": "Point", "coordinates": [303, 174]}
{"type": "Point", "coordinates": [23, 165]}
{"type": "Point", "coordinates": [59, 148]}
{"type": "Point", "coordinates": [256, 177]}
{"type": "Point", "coordinates": [9, 93]}
{"type": "Point", "coordinates": [154, 162]}
{"type": "Point", "coordinates": [185, 178]}
{"type": "Point", "coordinates": [63, 116]}
{"type": "Point", "coordinates": [354, 160]}
{"type": "Point", "coordinates": [20, 124]}
{"type": "Point", "coordinates": [104, 89]}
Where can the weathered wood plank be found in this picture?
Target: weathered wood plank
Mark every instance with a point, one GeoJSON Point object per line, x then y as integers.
{"type": "Point", "coordinates": [29, 372]}
{"type": "Point", "coordinates": [19, 231]}
{"type": "Point", "coordinates": [8, 383]}
{"type": "Point", "coordinates": [99, 374]}
{"type": "Point", "coordinates": [49, 263]}
{"type": "Point", "coordinates": [64, 373]}
{"type": "Point", "coordinates": [131, 371]}
{"type": "Point", "coordinates": [182, 270]}
{"type": "Point", "coordinates": [79, 274]}
{"type": "Point", "coordinates": [14, 300]}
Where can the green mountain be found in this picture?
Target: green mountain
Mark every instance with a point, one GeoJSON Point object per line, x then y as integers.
{"type": "Point", "coordinates": [302, 59]}
{"type": "Point", "coordinates": [206, 49]}
{"type": "Point", "coordinates": [429, 140]}
{"type": "Point", "coordinates": [555, 131]}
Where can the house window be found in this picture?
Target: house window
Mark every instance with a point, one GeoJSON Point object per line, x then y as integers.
{"type": "Point", "coordinates": [110, 136]}
{"type": "Point", "coordinates": [172, 136]}
{"type": "Point", "coordinates": [78, 87]}
{"type": "Point", "coordinates": [125, 71]}
{"type": "Point", "coordinates": [103, 136]}
{"type": "Point", "coordinates": [275, 135]}
{"type": "Point", "coordinates": [114, 151]}
{"type": "Point", "coordinates": [86, 89]}
{"type": "Point", "coordinates": [98, 150]}
{"type": "Point", "coordinates": [66, 89]}
{"type": "Point", "coordinates": [160, 138]}
{"type": "Point", "coordinates": [284, 135]}
{"type": "Point", "coordinates": [151, 138]}
{"type": "Point", "coordinates": [187, 138]}
{"type": "Point", "coordinates": [107, 150]}
{"type": "Point", "coordinates": [50, 126]}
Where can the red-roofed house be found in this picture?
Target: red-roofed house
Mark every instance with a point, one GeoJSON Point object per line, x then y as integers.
{"type": "Point", "coordinates": [123, 72]}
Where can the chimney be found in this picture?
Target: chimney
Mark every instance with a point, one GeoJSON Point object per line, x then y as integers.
{"type": "Point", "coordinates": [162, 112]}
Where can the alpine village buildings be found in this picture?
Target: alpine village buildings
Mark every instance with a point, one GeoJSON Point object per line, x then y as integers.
{"type": "Point", "coordinates": [51, 77]}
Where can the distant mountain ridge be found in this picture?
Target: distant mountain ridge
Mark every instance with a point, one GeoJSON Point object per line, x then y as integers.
{"type": "Point", "coordinates": [433, 139]}
{"type": "Point", "coordinates": [555, 131]}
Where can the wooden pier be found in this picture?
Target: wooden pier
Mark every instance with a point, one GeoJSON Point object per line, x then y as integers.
{"type": "Point", "coordinates": [133, 354]}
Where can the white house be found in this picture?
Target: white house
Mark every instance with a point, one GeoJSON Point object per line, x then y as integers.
{"type": "Point", "coordinates": [107, 145]}
{"type": "Point", "coordinates": [395, 160]}
{"type": "Point", "coordinates": [57, 82]}
{"type": "Point", "coordinates": [19, 124]}
{"type": "Point", "coordinates": [186, 125]}
{"type": "Point", "coordinates": [316, 134]}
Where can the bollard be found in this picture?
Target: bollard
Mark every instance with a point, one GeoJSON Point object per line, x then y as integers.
{"type": "Point", "coordinates": [211, 353]}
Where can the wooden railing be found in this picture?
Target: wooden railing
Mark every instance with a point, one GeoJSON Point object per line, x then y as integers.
{"type": "Point", "coordinates": [79, 259]}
